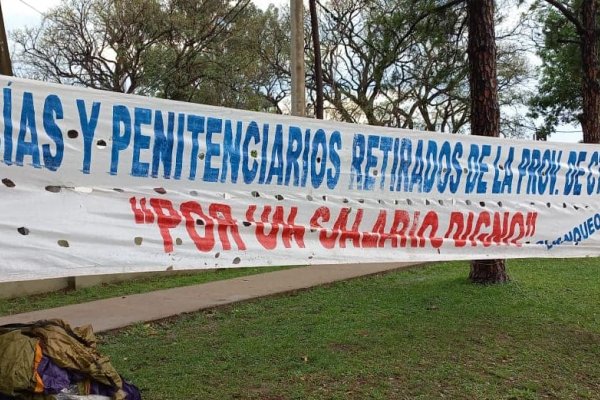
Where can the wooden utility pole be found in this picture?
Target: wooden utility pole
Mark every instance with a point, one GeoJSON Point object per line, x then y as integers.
{"type": "Point", "coordinates": [297, 57]}
{"type": "Point", "coordinates": [5, 65]}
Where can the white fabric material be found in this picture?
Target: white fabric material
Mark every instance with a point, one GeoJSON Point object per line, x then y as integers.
{"type": "Point", "coordinates": [96, 182]}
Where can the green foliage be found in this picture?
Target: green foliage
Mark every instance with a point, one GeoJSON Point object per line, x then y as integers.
{"type": "Point", "coordinates": [227, 70]}
{"type": "Point", "coordinates": [207, 51]}
{"type": "Point", "coordinates": [421, 333]}
{"type": "Point", "coordinates": [559, 98]}
{"type": "Point", "coordinates": [398, 63]}
{"type": "Point", "coordinates": [403, 63]}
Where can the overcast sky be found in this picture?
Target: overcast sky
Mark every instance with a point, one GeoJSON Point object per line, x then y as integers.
{"type": "Point", "coordinates": [21, 13]}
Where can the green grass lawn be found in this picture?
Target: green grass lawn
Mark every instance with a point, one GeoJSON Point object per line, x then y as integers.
{"type": "Point", "coordinates": [418, 333]}
{"type": "Point", "coordinates": [66, 297]}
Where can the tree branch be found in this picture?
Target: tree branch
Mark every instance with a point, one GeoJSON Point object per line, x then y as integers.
{"type": "Point", "coordinates": [568, 14]}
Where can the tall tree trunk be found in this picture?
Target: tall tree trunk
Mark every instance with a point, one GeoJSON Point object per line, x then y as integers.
{"type": "Point", "coordinates": [314, 26]}
{"type": "Point", "coordinates": [590, 123]}
{"type": "Point", "coordinates": [5, 64]}
{"type": "Point", "coordinates": [485, 110]}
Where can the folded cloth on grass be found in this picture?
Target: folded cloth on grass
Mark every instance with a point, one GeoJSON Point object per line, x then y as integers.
{"type": "Point", "coordinates": [45, 358]}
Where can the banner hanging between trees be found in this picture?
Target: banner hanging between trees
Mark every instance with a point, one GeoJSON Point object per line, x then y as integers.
{"type": "Point", "coordinates": [97, 182]}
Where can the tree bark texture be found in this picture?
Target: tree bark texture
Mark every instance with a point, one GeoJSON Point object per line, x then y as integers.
{"type": "Point", "coordinates": [488, 271]}
{"type": "Point", "coordinates": [590, 123]}
{"type": "Point", "coordinates": [485, 109]}
{"type": "Point", "coordinates": [5, 63]}
{"type": "Point", "coordinates": [314, 26]}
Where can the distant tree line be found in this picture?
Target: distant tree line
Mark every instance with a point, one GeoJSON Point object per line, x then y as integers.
{"type": "Point", "coordinates": [399, 63]}
{"type": "Point", "coordinates": [430, 64]}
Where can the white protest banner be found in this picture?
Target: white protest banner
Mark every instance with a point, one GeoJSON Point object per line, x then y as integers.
{"type": "Point", "coordinates": [96, 182]}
